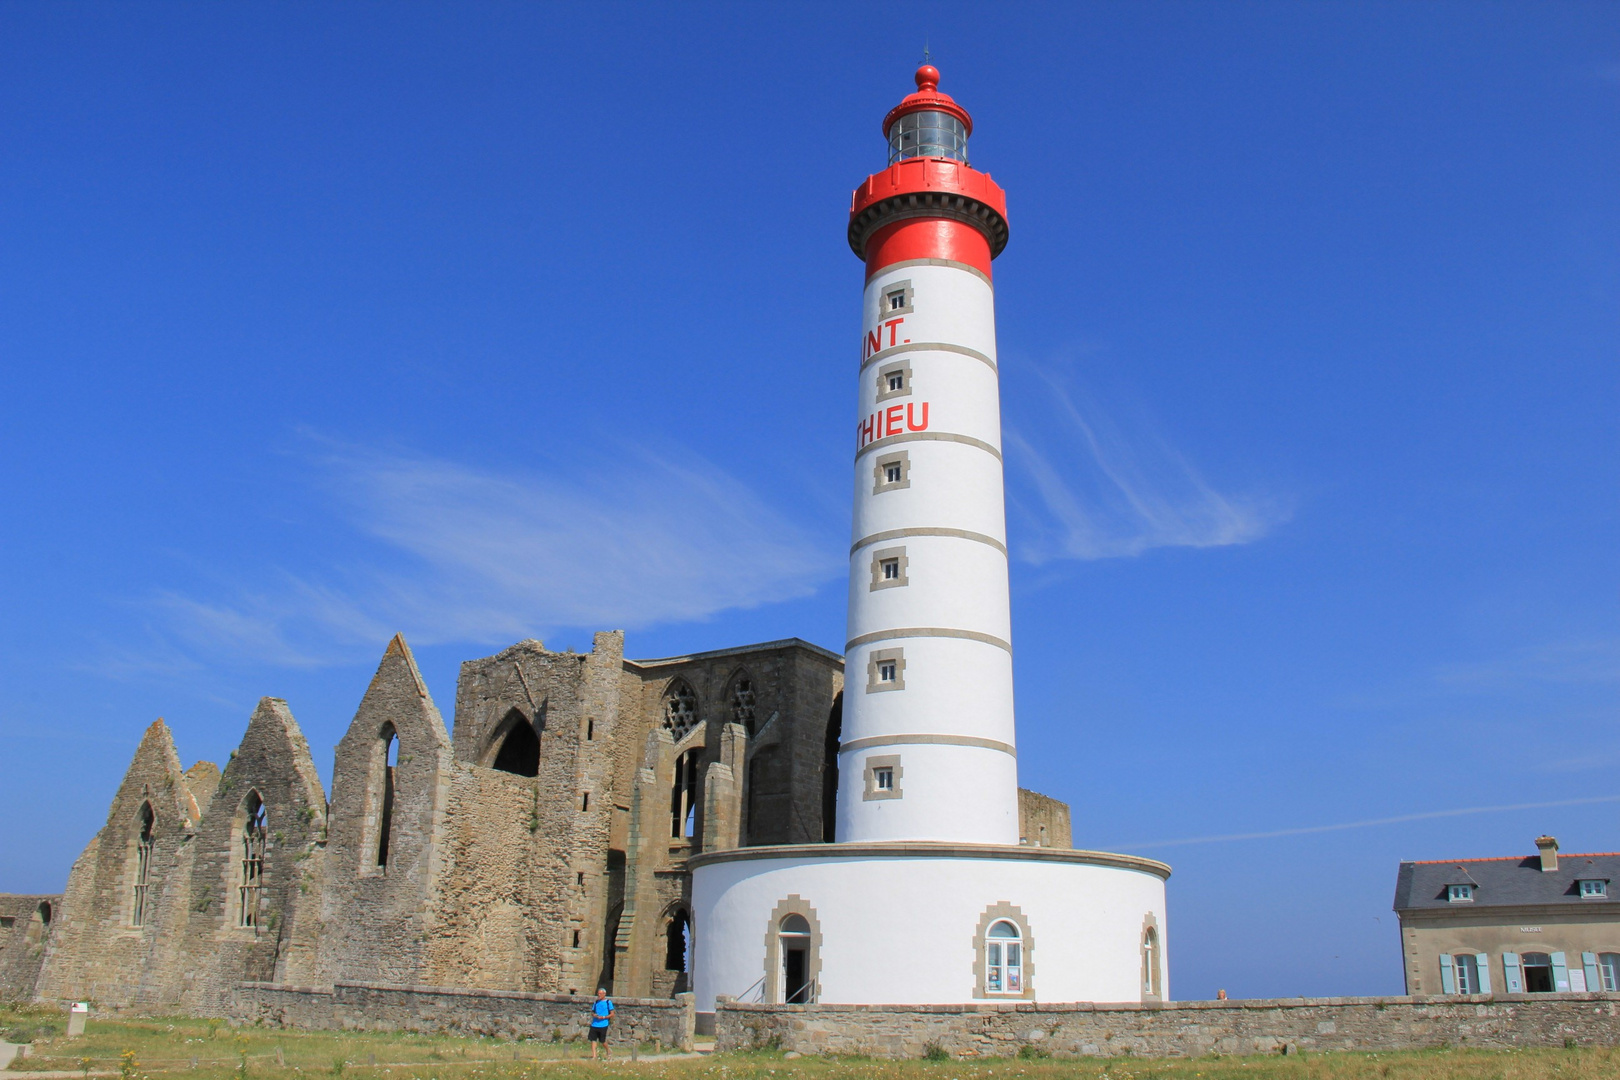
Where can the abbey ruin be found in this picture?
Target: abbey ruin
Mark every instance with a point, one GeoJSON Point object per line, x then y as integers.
{"type": "Point", "coordinates": [537, 845]}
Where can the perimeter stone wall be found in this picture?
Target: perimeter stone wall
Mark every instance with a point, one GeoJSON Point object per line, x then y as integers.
{"type": "Point", "coordinates": [1182, 1029]}
{"type": "Point", "coordinates": [668, 1022]}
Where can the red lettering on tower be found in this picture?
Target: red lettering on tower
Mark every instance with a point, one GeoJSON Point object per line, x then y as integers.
{"type": "Point", "coordinates": [891, 420]}
{"type": "Point", "coordinates": [888, 422]}
{"type": "Point", "coordinates": [873, 341]}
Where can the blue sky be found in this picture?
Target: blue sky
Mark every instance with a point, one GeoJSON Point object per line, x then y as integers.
{"type": "Point", "coordinates": [488, 322]}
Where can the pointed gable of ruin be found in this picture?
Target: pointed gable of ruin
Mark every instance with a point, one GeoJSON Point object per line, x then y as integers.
{"type": "Point", "coordinates": [100, 946]}
{"type": "Point", "coordinates": [271, 769]}
{"type": "Point", "coordinates": [374, 906]}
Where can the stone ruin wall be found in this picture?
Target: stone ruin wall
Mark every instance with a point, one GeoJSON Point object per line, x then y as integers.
{"type": "Point", "coordinates": [491, 879]}
{"type": "Point", "coordinates": [1043, 821]}
{"type": "Point", "coordinates": [667, 1023]}
{"type": "Point", "coordinates": [25, 922]}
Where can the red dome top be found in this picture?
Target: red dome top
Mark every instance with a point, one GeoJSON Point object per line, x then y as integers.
{"type": "Point", "coordinates": [927, 98]}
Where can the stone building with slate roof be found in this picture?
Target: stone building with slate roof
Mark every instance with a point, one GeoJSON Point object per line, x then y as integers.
{"type": "Point", "coordinates": [539, 843]}
{"type": "Point", "coordinates": [1533, 924]}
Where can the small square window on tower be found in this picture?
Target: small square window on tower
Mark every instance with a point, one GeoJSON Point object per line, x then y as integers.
{"type": "Point", "coordinates": [897, 297]}
{"type": "Point", "coordinates": [889, 568]}
{"type": "Point", "coordinates": [891, 472]}
{"type": "Point", "coordinates": [885, 670]}
{"type": "Point", "coordinates": [882, 774]}
{"type": "Point", "coordinates": [894, 380]}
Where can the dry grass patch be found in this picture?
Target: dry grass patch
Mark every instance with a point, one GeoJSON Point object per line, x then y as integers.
{"type": "Point", "coordinates": [135, 1049]}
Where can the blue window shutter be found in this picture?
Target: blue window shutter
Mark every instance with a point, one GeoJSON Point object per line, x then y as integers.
{"type": "Point", "coordinates": [1484, 962]}
{"type": "Point", "coordinates": [1510, 973]}
{"type": "Point", "coordinates": [1560, 973]}
{"type": "Point", "coordinates": [1594, 981]}
{"type": "Point", "coordinates": [1448, 980]}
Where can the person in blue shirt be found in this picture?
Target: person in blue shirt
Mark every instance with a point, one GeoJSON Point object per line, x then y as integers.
{"type": "Point", "coordinates": [601, 1017]}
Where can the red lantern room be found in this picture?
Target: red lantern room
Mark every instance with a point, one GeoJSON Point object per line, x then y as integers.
{"type": "Point", "coordinates": [929, 203]}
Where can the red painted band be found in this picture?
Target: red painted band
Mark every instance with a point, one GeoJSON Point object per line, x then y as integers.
{"type": "Point", "coordinates": [928, 238]}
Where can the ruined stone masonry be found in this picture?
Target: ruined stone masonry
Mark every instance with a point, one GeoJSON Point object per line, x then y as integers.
{"type": "Point", "coordinates": [537, 847]}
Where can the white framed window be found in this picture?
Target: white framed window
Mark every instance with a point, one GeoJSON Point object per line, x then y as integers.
{"type": "Point", "coordinates": [1594, 888]}
{"type": "Point", "coordinates": [1459, 894]}
{"type": "Point", "coordinates": [1004, 959]}
{"type": "Point", "coordinates": [883, 777]}
{"type": "Point", "coordinates": [885, 670]}
{"type": "Point", "coordinates": [894, 380]}
{"type": "Point", "coordinates": [889, 567]}
{"type": "Point", "coordinates": [1465, 969]}
{"type": "Point", "coordinates": [891, 472]}
{"type": "Point", "coordinates": [897, 298]}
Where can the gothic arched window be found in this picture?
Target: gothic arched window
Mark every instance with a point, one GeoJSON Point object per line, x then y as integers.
{"type": "Point", "coordinates": [143, 864]}
{"type": "Point", "coordinates": [680, 709]}
{"type": "Point", "coordinates": [520, 746]}
{"type": "Point", "coordinates": [250, 847]}
{"type": "Point", "coordinates": [388, 744]}
{"type": "Point", "coordinates": [743, 702]}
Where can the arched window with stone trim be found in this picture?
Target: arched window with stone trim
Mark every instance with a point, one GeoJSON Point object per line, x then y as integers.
{"type": "Point", "coordinates": [251, 837]}
{"type": "Point", "coordinates": [146, 828]}
{"type": "Point", "coordinates": [793, 954]}
{"type": "Point", "coordinates": [1151, 962]}
{"type": "Point", "coordinates": [1004, 954]}
{"type": "Point", "coordinates": [515, 745]}
{"type": "Point", "coordinates": [680, 709]}
{"type": "Point", "coordinates": [743, 701]}
{"type": "Point", "coordinates": [387, 751]}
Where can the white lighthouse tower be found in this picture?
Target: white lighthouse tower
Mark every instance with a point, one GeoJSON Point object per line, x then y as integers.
{"type": "Point", "coordinates": [926, 897]}
{"type": "Point", "coordinates": [929, 751]}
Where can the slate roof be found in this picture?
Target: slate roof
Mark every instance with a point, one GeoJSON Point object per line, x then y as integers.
{"type": "Point", "coordinates": [1511, 881]}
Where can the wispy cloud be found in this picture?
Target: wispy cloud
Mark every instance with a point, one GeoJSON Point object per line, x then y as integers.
{"type": "Point", "coordinates": [467, 554]}
{"type": "Point", "coordinates": [1309, 830]}
{"type": "Point", "coordinates": [1100, 491]}
{"type": "Point", "coordinates": [1567, 662]}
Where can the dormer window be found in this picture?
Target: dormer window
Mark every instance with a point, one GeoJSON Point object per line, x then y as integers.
{"type": "Point", "coordinates": [1594, 889]}
{"type": "Point", "coordinates": [1460, 894]}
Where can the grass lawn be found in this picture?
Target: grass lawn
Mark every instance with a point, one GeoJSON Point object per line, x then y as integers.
{"type": "Point", "coordinates": [212, 1050]}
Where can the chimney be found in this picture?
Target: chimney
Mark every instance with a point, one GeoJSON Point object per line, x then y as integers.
{"type": "Point", "coordinates": [1549, 853]}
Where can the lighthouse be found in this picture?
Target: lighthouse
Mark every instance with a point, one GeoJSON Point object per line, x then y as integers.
{"type": "Point", "coordinates": [925, 895]}
{"type": "Point", "coordinates": [929, 751]}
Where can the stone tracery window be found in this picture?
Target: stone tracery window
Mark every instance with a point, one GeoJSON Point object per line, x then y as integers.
{"type": "Point", "coordinates": [743, 702]}
{"type": "Point", "coordinates": [680, 709]}
{"type": "Point", "coordinates": [143, 864]}
{"type": "Point", "coordinates": [252, 844]}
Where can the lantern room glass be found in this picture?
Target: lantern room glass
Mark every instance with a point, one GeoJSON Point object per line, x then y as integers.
{"type": "Point", "coordinates": [929, 134]}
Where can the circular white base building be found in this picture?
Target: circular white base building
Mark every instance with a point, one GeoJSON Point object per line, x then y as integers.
{"type": "Point", "coordinates": [927, 923]}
